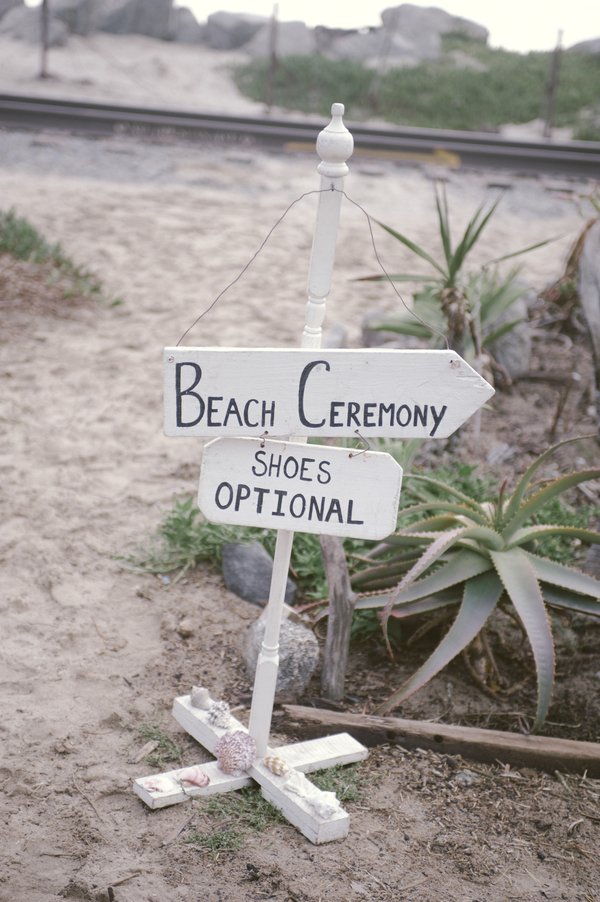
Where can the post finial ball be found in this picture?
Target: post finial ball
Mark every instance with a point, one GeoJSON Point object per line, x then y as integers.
{"type": "Point", "coordinates": [335, 145]}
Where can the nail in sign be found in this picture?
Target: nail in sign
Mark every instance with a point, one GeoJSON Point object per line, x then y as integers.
{"type": "Point", "coordinates": [212, 392]}
{"type": "Point", "coordinates": [300, 487]}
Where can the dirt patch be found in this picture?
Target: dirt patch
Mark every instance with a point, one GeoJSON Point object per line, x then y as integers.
{"type": "Point", "coordinates": [92, 652]}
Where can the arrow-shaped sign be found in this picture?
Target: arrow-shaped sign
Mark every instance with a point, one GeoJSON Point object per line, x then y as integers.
{"type": "Point", "coordinates": [278, 392]}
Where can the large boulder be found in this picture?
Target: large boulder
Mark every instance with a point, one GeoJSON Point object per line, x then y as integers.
{"type": "Point", "coordinates": [372, 47]}
{"type": "Point", "coordinates": [298, 656]}
{"type": "Point", "coordinates": [228, 31]}
{"type": "Point", "coordinates": [247, 570]}
{"type": "Point", "coordinates": [25, 24]}
{"type": "Point", "coordinates": [291, 39]}
{"type": "Point", "coordinates": [185, 28]}
{"type": "Point", "coordinates": [417, 24]}
{"type": "Point", "coordinates": [147, 17]}
{"type": "Point", "coordinates": [591, 46]}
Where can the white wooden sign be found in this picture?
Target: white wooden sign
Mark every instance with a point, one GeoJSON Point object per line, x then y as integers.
{"type": "Point", "coordinates": [305, 488]}
{"type": "Point", "coordinates": [280, 392]}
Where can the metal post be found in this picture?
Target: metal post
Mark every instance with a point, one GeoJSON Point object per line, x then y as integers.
{"type": "Point", "coordinates": [334, 146]}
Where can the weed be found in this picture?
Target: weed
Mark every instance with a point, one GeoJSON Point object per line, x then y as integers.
{"type": "Point", "coordinates": [166, 752]}
{"type": "Point", "coordinates": [236, 815]}
{"type": "Point", "coordinates": [347, 782]}
{"type": "Point", "coordinates": [22, 240]}
{"type": "Point", "coordinates": [436, 94]}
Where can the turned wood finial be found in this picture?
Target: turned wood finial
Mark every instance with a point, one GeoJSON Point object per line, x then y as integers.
{"type": "Point", "coordinates": [335, 145]}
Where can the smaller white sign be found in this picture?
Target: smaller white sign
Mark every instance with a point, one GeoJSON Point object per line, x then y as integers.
{"type": "Point", "coordinates": [300, 487]}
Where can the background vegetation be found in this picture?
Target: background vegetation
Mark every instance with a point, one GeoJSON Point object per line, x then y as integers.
{"type": "Point", "coordinates": [471, 87]}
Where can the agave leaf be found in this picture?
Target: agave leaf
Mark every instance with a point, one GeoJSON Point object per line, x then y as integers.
{"type": "Point", "coordinates": [563, 576]}
{"type": "Point", "coordinates": [480, 597]}
{"type": "Point", "coordinates": [406, 327]}
{"type": "Point", "coordinates": [494, 334]}
{"type": "Point", "coordinates": [398, 277]}
{"type": "Point", "coordinates": [515, 569]}
{"type": "Point", "coordinates": [448, 489]}
{"type": "Point", "coordinates": [441, 203]}
{"type": "Point", "coordinates": [571, 601]}
{"type": "Point", "coordinates": [554, 488]}
{"type": "Point", "coordinates": [431, 524]}
{"type": "Point", "coordinates": [406, 538]}
{"type": "Point", "coordinates": [525, 250]}
{"type": "Point", "coordinates": [474, 229]}
{"type": "Point", "coordinates": [411, 608]}
{"type": "Point", "coordinates": [461, 565]}
{"type": "Point", "coordinates": [413, 247]}
{"type": "Point", "coordinates": [529, 533]}
{"type": "Point", "coordinates": [523, 483]}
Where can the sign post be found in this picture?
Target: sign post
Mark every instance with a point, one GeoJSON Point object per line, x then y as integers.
{"type": "Point", "coordinates": [260, 407]}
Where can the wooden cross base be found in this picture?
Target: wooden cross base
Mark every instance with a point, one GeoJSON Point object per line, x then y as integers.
{"type": "Point", "coordinates": [304, 757]}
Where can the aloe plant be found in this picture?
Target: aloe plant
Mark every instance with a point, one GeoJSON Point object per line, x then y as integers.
{"type": "Point", "coordinates": [465, 307]}
{"type": "Point", "coordinates": [479, 555]}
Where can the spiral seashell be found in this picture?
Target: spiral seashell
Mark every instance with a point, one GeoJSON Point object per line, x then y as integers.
{"type": "Point", "coordinates": [235, 752]}
{"type": "Point", "coordinates": [218, 715]}
{"type": "Point", "coordinates": [276, 765]}
{"type": "Point", "coordinates": [199, 698]}
{"type": "Point", "coordinates": [194, 775]}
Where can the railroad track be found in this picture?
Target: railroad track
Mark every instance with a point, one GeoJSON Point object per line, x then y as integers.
{"type": "Point", "coordinates": [453, 149]}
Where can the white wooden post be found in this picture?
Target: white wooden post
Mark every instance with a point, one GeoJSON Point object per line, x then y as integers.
{"type": "Point", "coordinates": [334, 146]}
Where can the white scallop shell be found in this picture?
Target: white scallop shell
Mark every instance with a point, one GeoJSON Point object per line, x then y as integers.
{"type": "Point", "coordinates": [194, 775]}
{"type": "Point", "coordinates": [276, 765]}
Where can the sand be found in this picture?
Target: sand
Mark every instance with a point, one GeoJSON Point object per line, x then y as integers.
{"type": "Point", "coordinates": [90, 650]}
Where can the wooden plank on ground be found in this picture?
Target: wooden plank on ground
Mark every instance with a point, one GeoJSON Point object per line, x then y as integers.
{"type": "Point", "coordinates": [543, 752]}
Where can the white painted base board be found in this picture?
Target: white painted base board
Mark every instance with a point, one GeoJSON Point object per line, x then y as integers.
{"type": "Point", "coordinates": [304, 757]}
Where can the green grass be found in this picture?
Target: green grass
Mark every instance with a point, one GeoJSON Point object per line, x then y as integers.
{"type": "Point", "coordinates": [184, 539]}
{"type": "Point", "coordinates": [233, 816]}
{"type": "Point", "coordinates": [166, 752]}
{"type": "Point", "coordinates": [20, 239]}
{"type": "Point", "coordinates": [439, 94]}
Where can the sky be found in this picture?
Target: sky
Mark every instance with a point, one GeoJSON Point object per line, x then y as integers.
{"type": "Point", "coordinates": [520, 25]}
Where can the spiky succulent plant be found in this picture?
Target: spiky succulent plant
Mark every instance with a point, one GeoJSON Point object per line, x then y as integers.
{"type": "Point", "coordinates": [482, 554]}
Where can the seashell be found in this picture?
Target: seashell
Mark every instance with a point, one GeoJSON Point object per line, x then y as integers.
{"type": "Point", "coordinates": [218, 715]}
{"type": "Point", "coordinates": [157, 784]}
{"type": "Point", "coordinates": [235, 752]}
{"type": "Point", "coordinates": [297, 783]}
{"type": "Point", "coordinates": [194, 775]}
{"type": "Point", "coordinates": [324, 804]}
{"type": "Point", "coordinates": [199, 698]}
{"type": "Point", "coordinates": [276, 765]}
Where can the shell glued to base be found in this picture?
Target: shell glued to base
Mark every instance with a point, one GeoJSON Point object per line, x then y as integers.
{"type": "Point", "coordinates": [235, 752]}
{"type": "Point", "coordinates": [219, 715]}
{"type": "Point", "coordinates": [200, 698]}
{"type": "Point", "coordinates": [276, 765]}
{"type": "Point", "coordinates": [157, 784]}
{"type": "Point", "coordinates": [195, 776]}
{"type": "Point", "coordinates": [324, 804]}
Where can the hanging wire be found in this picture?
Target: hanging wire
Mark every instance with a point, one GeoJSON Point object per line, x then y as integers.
{"type": "Point", "coordinates": [278, 222]}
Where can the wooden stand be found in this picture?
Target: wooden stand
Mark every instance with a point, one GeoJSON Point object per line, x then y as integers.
{"type": "Point", "coordinates": [334, 145]}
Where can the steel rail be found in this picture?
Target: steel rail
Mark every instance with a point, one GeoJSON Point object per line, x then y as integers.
{"type": "Point", "coordinates": [451, 148]}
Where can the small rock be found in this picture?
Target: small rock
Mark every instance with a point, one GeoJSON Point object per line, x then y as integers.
{"type": "Point", "coordinates": [186, 627]}
{"type": "Point", "coordinates": [298, 656]}
{"type": "Point", "coordinates": [247, 571]}
{"type": "Point", "coordinates": [465, 778]}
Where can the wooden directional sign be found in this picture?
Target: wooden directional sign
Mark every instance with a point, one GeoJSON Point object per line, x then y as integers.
{"type": "Point", "coordinates": [305, 488]}
{"type": "Point", "coordinates": [242, 391]}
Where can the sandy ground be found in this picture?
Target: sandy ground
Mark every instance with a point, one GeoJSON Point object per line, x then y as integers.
{"type": "Point", "coordinates": [90, 651]}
